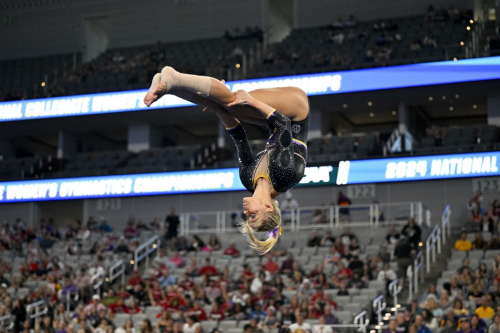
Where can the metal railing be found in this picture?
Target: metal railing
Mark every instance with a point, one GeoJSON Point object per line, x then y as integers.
{"type": "Point", "coordinates": [315, 217]}
{"type": "Point", "coordinates": [70, 297]}
{"type": "Point", "coordinates": [378, 307]}
{"type": "Point", "coordinates": [418, 269]}
{"type": "Point", "coordinates": [432, 245]}
{"type": "Point", "coordinates": [394, 290]}
{"type": "Point", "coordinates": [446, 223]}
{"type": "Point", "coordinates": [143, 251]}
{"type": "Point", "coordinates": [40, 308]}
{"type": "Point", "coordinates": [117, 270]}
{"type": "Point", "coordinates": [6, 322]}
{"type": "Point", "coordinates": [96, 281]}
{"type": "Point", "coordinates": [362, 321]}
{"type": "Point", "coordinates": [409, 276]}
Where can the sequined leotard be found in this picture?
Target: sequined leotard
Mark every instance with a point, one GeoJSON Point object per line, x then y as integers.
{"type": "Point", "coordinates": [283, 161]}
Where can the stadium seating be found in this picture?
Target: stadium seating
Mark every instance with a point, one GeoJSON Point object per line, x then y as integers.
{"type": "Point", "coordinates": [26, 279]}
{"type": "Point", "coordinates": [132, 68]}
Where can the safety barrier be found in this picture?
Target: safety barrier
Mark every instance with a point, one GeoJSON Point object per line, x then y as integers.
{"type": "Point", "coordinates": [117, 270]}
{"type": "Point", "coordinates": [316, 217]}
{"type": "Point", "coordinates": [418, 267]}
{"type": "Point", "coordinates": [362, 321]}
{"type": "Point", "coordinates": [378, 307]}
{"type": "Point", "coordinates": [143, 251]}
{"type": "Point", "coordinates": [70, 297]}
{"type": "Point", "coordinates": [446, 223]}
{"type": "Point", "coordinates": [394, 290]}
{"type": "Point", "coordinates": [37, 312]}
{"type": "Point", "coordinates": [96, 281]}
{"type": "Point", "coordinates": [6, 322]}
{"type": "Point", "coordinates": [432, 244]}
{"type": "Point", "coordinates": [409, 276]}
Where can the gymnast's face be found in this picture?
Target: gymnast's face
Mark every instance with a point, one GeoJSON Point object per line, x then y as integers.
{"type": "Point", "coordinates": [253, 209]}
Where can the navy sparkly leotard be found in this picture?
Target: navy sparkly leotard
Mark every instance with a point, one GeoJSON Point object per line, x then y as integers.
{"type": "Point", "coordinates": [283, 161]}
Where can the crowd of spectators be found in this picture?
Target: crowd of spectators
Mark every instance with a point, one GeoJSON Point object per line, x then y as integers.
{"type": "Point", "coordinates": [276, 291]}
{"type": "Point", "coordinates": [483, 219]}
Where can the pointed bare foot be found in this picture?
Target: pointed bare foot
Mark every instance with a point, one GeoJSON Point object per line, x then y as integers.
{"type": "Point", "coordinates": [156, 91]}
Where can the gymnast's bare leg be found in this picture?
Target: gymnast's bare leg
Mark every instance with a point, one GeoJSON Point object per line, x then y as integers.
{"type": "Point", "coordinates": [290, 101]}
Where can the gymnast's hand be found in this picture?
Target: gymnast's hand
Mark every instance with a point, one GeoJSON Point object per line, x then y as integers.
{"type": "Point", "coordinates": [242, 98]}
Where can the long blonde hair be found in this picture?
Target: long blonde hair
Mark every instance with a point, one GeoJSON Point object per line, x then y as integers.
{"type": "Point", "coordinates": [269, 221]}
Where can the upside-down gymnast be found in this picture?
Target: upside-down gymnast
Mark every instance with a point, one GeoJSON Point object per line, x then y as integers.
{"type": "Point", "coordinates": [273, 171]}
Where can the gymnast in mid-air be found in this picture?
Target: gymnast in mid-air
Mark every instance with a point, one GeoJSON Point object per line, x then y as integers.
{"type": "Point", "coordinates": [285, 111]}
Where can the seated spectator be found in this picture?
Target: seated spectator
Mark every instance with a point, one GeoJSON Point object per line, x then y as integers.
{"type": "Point", "coordinates": [177, 260]}
{"type": "Point", "coordinates": [132, 308]}
{"type": "Point", "coordinates": [489, 220]}
{"type": "Point", "coordinates": [197, 244]}
{"type": "Point", "coordinates": [271, 265]}
{"type": "Point", "coordinates": [415, 45]}
{"type": "Point", "coordinates": [135, 278]}
{"type": "Point", "coordinates": [379, 25]}
{"type": "Point", "coordinates": [495, 325]}
{"type": "Point", "coordinates": [258, 313]}
{"type": "Point", "coordinates": [463, 244]}
{"type": "Point", "coordinates": [351, 21]}
{"type": "Point", "coordinates": [441, 16]}
{"type": "Point", "coordinates": [477, 325]}
{"type": "Point", "coordinates": [429, 41]}
{"type": "Point", "coordinates": [95, 306]}
{"type": "Point", "coordinates": [300, 326]}
{"type": "Point", "coordinates": [166, 279]}
{"type": "Point", "coordinates": [369, 57]}
{"type": "Point", "coordinates": [216, 313]}
{"type": "Point", "coordinates": [197, 311]}
{"type": "Point", "coordinates": [338, 38]}
{"type": "Point", "coordinates": [314, 239]}
{"type": "Point", "coordinates": [192, 325]}
{"type": "Point", "coordinates": [392, 328]}
{"type": "Point", "coordinates": [247, 274]}
{"type": "Point", "coordinates": [104, 226]}
{"type": "Point", "coordinates": [232, 251]}
{"type": "Point", "coordinates": [208, 269]}
{"type": "Point", "coordinates": [429, 15]}
{"type": "Point", "coordinates": [356, 281]}
{"type": "Point", "coordinates": [270, 321]}
{"type": "Point", "coordinates": [494, 243]}
{"type": "Point", "coordinates": [122, 247]}
{"type": "Point", "coordinates": [192, 269]}
{"type": "Point", "coordinates": [130, 231]}
{"type": "Point", "coordinates": [287, 265]}
{"type": "Point", "coordinates": [484, 310]}
{"type": "Point", "coordinates": [420, 326]}
{"type": "Point", "coordinates": [387, 274]}
{"type": "Point", "coordinates": [412, 232]}
{"type": "Point", "coordinates": [213, 243]}
{"type": "Point", "coordinates": [96, 269]}
{"type": "Point", "coordinates": [328, 239]}
{"type": "Point", "coordinates": [479, 243]}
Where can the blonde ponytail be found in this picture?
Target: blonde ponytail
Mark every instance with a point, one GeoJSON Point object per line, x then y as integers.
{"type": "Point", "coordinates": [270, 222]}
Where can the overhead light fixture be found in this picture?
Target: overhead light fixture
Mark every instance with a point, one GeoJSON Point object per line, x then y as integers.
{"type": "Point", "coordinates": [370, 103]}
{"type": "Point", "coordinates": [454, 59]}
{"type": "Point", "coordinates": [444, 97]}
{"type": "Point", "coordinates": [344, 106]}
{"type": "Point", "coordinates": [468, 28]}
{"type": "Point", "coordinates": [431, 98]}
{"type": "Point", "coordinates": [394, 113]}
{"type": "Point", "coordinates": [471, 21]}
{"type": "Point", "coordinates": [457, 96]}
{"type": "Point", "coordinates": [372, 114]}
{"type": "Point", "coordinates": [462, 43]}
{"type": "Point", "coordinates": [474, 106]}
{"type": "Point", "coordinates": [451, 108]}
